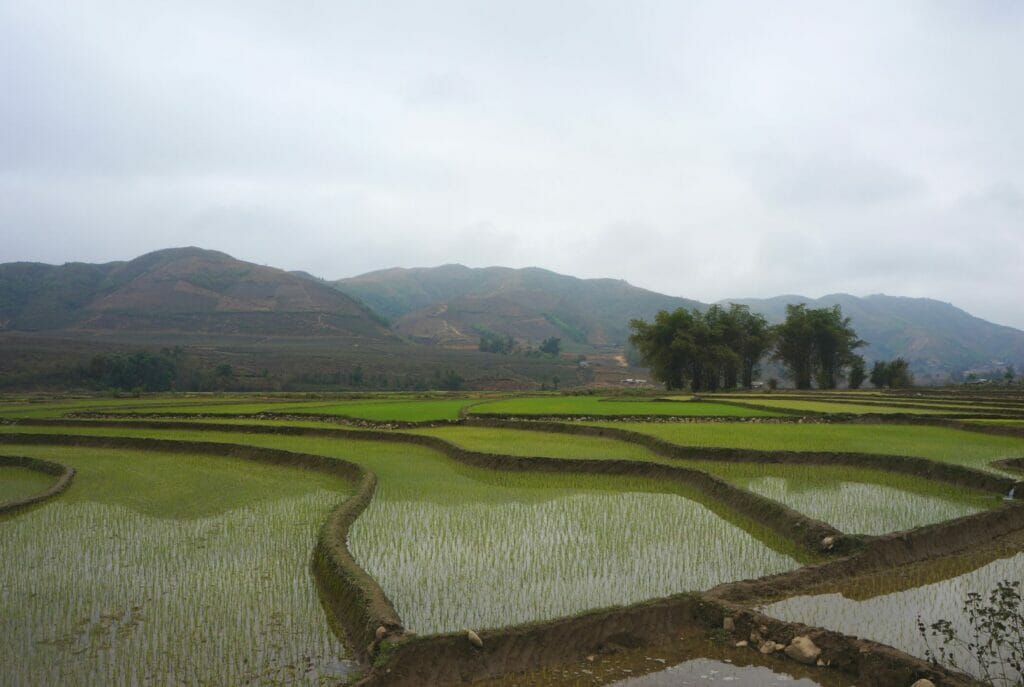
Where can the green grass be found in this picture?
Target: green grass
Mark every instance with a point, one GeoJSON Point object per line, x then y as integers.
{"type": "Point", "coordinates": [590, 405]}
{"type": "Point", "coordinates": [826, 407]}
{"type": "Point", "coordinates": [938, 443]}
{"type": "Point", "coordinates": [379, 408]}
{"type": "Point", "coordinates": [17, 483]}
{"type": "Point", "coordinates": [518, 442]}
{"type": "Point", "coordinates": [161, 567]}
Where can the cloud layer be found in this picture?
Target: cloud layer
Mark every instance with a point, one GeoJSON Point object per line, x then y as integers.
{"type": "Point", "coordinates": [704, 150]}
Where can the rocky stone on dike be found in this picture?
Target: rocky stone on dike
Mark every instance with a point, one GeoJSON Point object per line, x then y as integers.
{"type": "Point", "coordinates": [474, 639]}
{"type": "Point", "coordinates": [923, 682]}
{"type": "Point", "coordinates": [728, 624]}
{"type": "Point", "coordinates": [804, 650]}
{"type": "Point", "coordinates": [381, 633]}
{"type": "Point", "coordinates": [770, 647]}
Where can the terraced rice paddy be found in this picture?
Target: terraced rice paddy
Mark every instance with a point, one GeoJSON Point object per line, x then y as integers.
{"type": "Point", "coordinates": [937, 443]}
{"type": "Point", "coordinates": [592, 405]}
{"type": "Point", "coordinates": [17, 483]}
{"type": "Point", "coordinates": [129, 579]}
{"type": "Point", "coordinates": [489, 565]}
{"type": "Point", "coordinates": [854, 500]}
{"type": "Point", "coordinates": [166, 568]}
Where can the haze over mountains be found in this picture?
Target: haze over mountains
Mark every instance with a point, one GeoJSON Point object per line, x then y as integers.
{"type": "Point", "coordinates": [196, 292]}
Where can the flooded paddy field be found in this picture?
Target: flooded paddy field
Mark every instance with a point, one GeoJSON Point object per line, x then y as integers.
{"type": "Point", "coordinates": [167, 569]}
{"type": "Point", "coordinates": [171, 568]}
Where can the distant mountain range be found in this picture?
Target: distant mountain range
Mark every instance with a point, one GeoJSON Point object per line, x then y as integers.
{"type": "Point", "coordinates": [200, 292]}
{"type": "Point", "coordinates": [453, 305]}
{"type": "Point", "coordinates": [179, 291]}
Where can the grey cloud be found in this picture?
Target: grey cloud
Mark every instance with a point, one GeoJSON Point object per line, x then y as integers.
{"type": "Point", "coordinates": [706, 149]}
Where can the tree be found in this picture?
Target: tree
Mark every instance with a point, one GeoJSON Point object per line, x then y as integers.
{"type": "Point", "coordinates": [666, 345]}
{"type": "Point", "coordinates": [706, 351]}
{"type": "Point", "coordinates": [551, 346]}
{"type": "Point", "coordinates": [495, 343]}
{"type": "Point", "coordinates": [894, 374]}
{"type": "Point", "coordinates": [754, 339]}
{"type": "Point", "coordinates": [794, 345]}
{"type": "Point", "coordinates": [857, 373]}
{"type": "Point", "coordinates": [815, 345]}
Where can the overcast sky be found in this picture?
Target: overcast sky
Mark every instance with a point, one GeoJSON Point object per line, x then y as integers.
{"type": "Point", "coordinates": [704, 150]}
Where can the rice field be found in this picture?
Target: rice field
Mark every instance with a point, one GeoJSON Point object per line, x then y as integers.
{"type": "Point", "coordinates": [854, 500]}
{"type": "Point", "coordinates": [517, 442]}
{"type": "Point", "coordinates": [149, 575]}
{"type": "Point", "coordinates": [593, 405]}
{"type": "Point", "coordinates": [492, 565]}
{"type": "Point", "coordinates": [158, 568]}
{"type": "Point", "coordinates": [937, 443]}
{"type": "Point", "coordinates": [17, 483]}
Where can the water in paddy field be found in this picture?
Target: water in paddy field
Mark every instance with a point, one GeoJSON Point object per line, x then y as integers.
{"type": "Point", "coordinates": [706, 671]}
{"type": "Point", "coordinates": [855, 507]}
{"type": "Point", "coordinates": [95, 594]}
{"type": "Point", "coordinates": [446, 567]}
{"type": "Point", "coordinates": [886, 609]}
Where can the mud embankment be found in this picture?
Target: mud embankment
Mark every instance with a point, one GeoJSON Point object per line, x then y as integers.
{"type": "Point", "coordinates": [63, 474]}
{"type": "Point", "coordinates": [452, 659]}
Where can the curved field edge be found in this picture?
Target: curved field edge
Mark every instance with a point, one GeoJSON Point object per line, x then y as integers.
{"type": "Point", "coordinates": [354, 603]}
{"type": "Point", "coordinates": [63, 473]}
{"type": "Point", "coordinates": [401, 654]}
{"type": "Point", "coordinates": [807, 533]}
{"type": "Point", "coordinates": [922, 468]}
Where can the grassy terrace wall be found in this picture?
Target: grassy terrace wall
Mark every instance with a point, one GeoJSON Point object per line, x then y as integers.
{"type": "Point", "coordinates": [354, 602]}
{"type": "Point", "coordinates": [63, 473]}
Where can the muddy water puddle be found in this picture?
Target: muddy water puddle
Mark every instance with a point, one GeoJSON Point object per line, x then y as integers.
{"type": "Point", "coordinates": [689, 661]}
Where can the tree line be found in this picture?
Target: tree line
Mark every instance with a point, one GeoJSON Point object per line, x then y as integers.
{"type": "Point", "coordinates": [723, 348]}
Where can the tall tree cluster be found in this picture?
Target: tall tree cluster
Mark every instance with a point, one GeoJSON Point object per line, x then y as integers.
{"type": "Point", "coordinates": [816, 344]}
{"type": "Point", "coordinates": [719, 348]}
{"type": "Point", "coordinates": [722, 348]}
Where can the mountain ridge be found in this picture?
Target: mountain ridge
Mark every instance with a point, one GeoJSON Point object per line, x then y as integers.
{"type": "Point", "coordinates": [198, 292]}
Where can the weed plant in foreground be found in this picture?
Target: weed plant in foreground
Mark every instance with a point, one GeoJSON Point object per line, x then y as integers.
{"type": "Point", "coordinates": [891, 618]}
{"type": "Point", "coordinates": [123, 580]}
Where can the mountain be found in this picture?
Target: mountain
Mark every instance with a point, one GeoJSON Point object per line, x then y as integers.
{"type": "Point", "coordinates": [453, 305]}
{"type": "Point", "coordinates": [936, 338]}
{"type": "Point", "coordinates": [179, 290]}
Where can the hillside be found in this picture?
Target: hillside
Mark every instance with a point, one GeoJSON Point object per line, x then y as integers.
{"type": "Point", "coordinates": [452, 305]}
{"type": "Point", "coordinates": [180, 290]}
